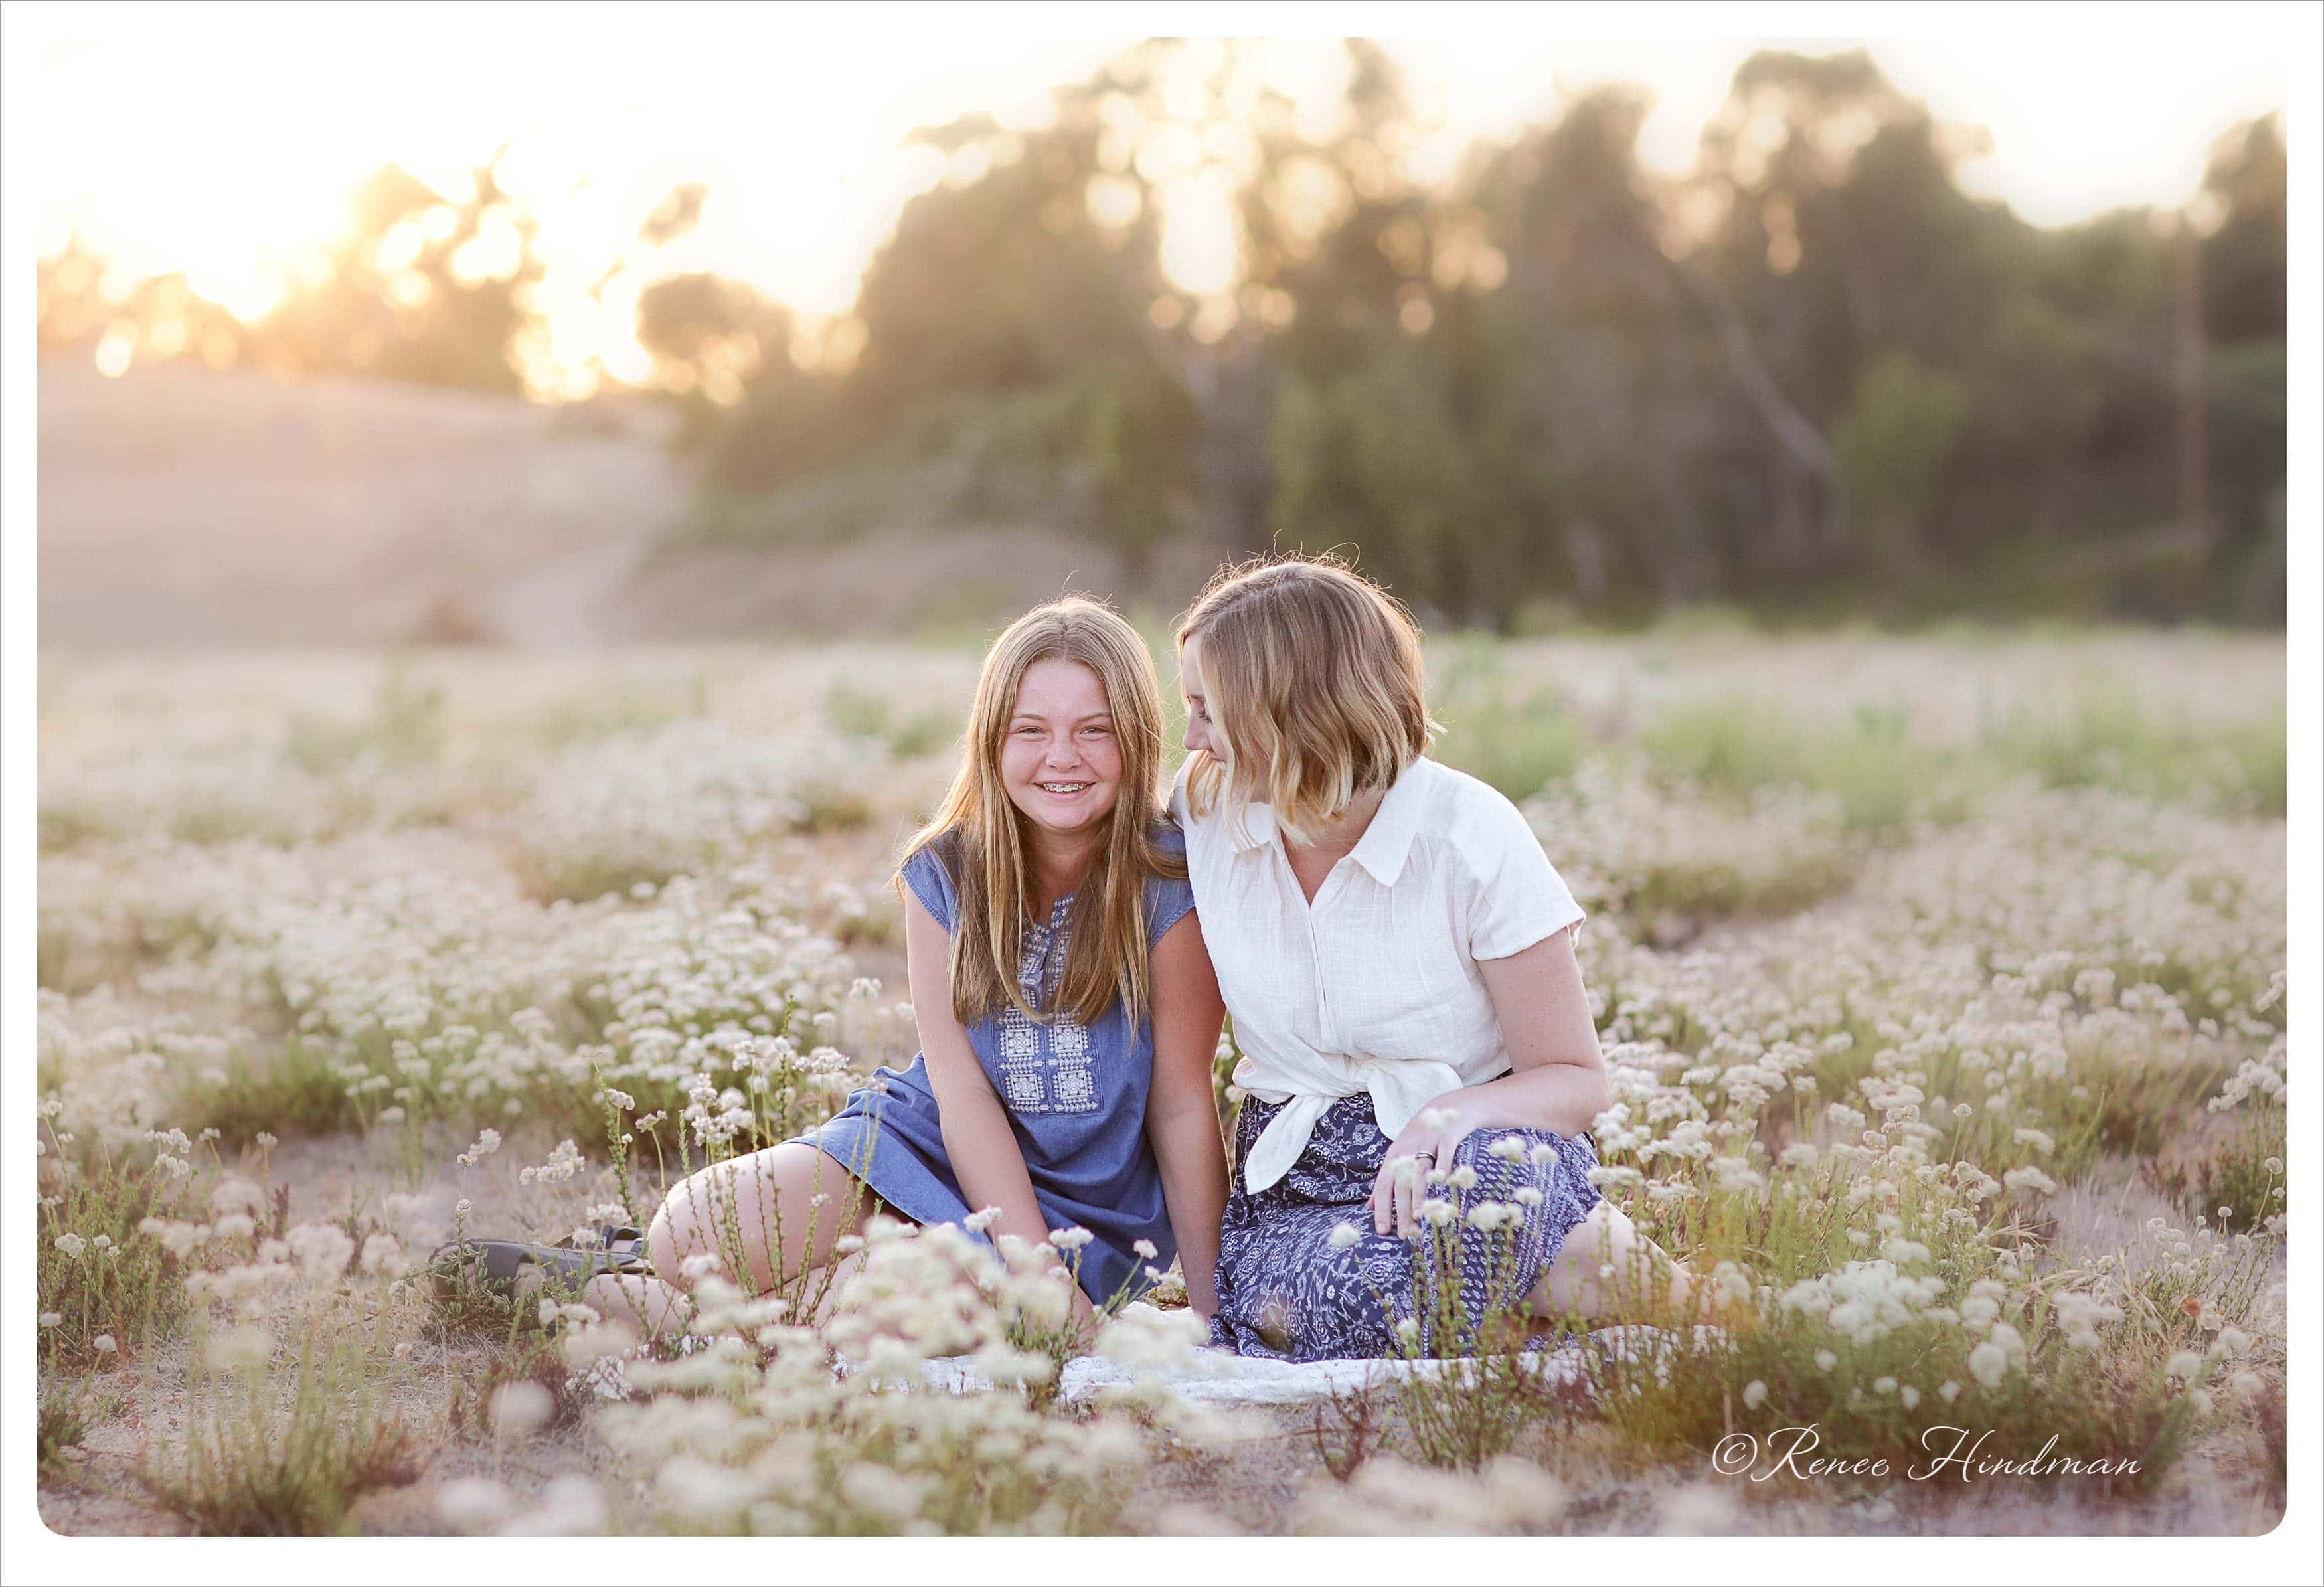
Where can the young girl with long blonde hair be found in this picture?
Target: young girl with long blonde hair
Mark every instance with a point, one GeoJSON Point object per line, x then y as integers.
{"type": "Point", "coordinates": [1066, 1009]}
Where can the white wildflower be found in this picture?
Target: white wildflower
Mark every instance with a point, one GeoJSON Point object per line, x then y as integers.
{"type": "Point", "coordinates": [520, 1409]}
{"type": "Point", "coordinates": [2029, 1178]}
{"type": "Point", "coordinates": [322, 1251]}
{"type": "Point", "coordinates": [1988, 1363]}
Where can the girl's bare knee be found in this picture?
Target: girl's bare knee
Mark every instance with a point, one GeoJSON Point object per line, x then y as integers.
{"type": "Point", "coordinates": [682, 1226]}
{"type": "Point", "coordinates": [1589, 1235]}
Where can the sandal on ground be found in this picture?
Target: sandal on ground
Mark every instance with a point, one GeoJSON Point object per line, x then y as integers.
{"type": "Point", "coordinates": [565, 1266]}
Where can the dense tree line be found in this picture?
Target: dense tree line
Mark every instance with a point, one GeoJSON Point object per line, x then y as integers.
{"type": "Point", "coordinates": [1814, 373]}
{"type": "Point", "coordinates": [1811, 374]}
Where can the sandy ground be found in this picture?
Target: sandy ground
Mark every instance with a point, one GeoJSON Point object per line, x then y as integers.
{"type": "Point", "coordinates": [183, 508]}
{"type": "Point", "coordinates": [1251, 1483]}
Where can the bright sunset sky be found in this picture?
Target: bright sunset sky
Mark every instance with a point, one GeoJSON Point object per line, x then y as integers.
{"type": "Point", "coordinates": [220, 139]}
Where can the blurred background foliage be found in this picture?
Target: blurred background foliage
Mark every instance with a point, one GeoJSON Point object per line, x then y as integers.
{"type": "Point", "coordinates": [1811, 378]}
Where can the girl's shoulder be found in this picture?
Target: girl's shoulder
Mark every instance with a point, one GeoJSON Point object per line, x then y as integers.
{"type": "Point", "coordinates": [1465, 811]}
{"type": "Point", "coordinates": [927, 871]}
{"type": "Point", "coordinates": [1167, 897]}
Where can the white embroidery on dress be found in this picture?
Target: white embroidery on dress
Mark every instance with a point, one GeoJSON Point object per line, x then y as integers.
{"type": "Point", "coordinates": [1066, 1081]}
{"type": "Point", "coordinates": [1076, 1089]}
{"type": "Point", "coordinates": [1020, 1039]}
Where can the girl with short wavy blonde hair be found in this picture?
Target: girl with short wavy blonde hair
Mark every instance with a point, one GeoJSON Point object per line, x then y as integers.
{"type": "Point", "coordinates": [1420, 1066]}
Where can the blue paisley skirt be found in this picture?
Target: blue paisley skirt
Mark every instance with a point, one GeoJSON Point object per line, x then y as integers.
{"type": "Point", "coordinates": [1287, 1292]}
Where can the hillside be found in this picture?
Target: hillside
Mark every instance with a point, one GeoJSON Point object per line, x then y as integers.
{"type": "Point", "coordinates": [186, 508]}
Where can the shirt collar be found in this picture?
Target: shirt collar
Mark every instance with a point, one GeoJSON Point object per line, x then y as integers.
{"type": "Point", "coordinates": [1384, 845]}
{"type": "Point", "coordinates": [1389, 839]}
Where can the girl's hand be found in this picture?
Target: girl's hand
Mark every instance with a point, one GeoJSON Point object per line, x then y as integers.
{"type": "Point", "coordinates": [1426, 1143]}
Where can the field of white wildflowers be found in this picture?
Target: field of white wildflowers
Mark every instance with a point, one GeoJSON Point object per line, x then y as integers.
{"type": "Point", "coordinates": [1942, 981]}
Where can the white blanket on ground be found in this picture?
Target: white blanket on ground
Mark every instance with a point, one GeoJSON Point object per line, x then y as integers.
{"type": "Point", "coordinates": [1218, 1376]}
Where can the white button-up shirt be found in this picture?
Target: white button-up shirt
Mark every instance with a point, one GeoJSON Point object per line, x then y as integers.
{"type": "Point", "coordinates": [1374, 986]}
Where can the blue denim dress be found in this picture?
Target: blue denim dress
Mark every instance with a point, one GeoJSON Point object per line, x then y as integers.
{"type": "Point", "coordinates": [1075, 1095]}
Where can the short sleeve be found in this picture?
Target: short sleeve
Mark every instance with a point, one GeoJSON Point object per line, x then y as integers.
{"type": "Point", "coordinates": [1167, 898]}
{"type": "Point", "coordinates": [1520, 899]}
{"type": "Point", "coordinates": [931, 884]}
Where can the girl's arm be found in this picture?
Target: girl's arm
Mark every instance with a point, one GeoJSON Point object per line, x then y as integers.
{"type": "Point", "coordinates": [1182, 1109]}
{"type": "Point", "coordinates": [1557, 1080]}
{"type": "Point", "coordinates": [977, 1138]}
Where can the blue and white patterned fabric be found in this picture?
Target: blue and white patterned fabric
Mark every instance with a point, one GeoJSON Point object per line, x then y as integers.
{"type": "Point", "coordinates": [1075, 1095]}
{"type": "Point", "coordinates": [1286, 1292]}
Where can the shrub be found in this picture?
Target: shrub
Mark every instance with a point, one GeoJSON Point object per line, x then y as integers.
{"type": "Point", "coordinates": [263, 1458]}
{"type": "Point", "coordinates": [113, 1247]}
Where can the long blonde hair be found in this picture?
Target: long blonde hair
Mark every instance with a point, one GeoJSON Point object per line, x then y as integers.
{"type": "Point", "coordinates": [1314, 679]}
{"type": "Point", "coordinates": [980, 837]}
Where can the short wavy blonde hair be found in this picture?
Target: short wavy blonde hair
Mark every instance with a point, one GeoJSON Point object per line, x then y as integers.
{"type": "Point", "coordinates": [1315, 681]}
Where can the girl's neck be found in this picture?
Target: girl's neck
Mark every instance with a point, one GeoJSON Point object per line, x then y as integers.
{"type": "Point", "coordinates": [1340, 837]}
{"type": "Point", "coordinates": [1058, 864]}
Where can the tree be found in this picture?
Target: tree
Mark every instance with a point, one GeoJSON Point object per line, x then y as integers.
{"type": "Point", "coordinates": [423, 289]}
{"type": "Point", "coordinates": [1009, 365]}
{"type": "Point", "coordinates": [2243, 283]}
{"type": "Point", "coordinates": [713, 339]}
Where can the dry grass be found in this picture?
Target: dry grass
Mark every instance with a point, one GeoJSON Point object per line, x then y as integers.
{"type": "Point", "coordinates": [325, 905]}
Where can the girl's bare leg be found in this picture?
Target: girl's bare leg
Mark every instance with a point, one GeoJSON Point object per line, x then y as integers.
{"type": "Point", "coordinates": [1645, 1284]}
{"type": "Point", "coordinates": [776, 1212]}
{"type": "Point", "coordinates": [639, 1303]}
